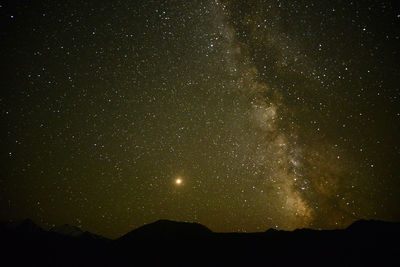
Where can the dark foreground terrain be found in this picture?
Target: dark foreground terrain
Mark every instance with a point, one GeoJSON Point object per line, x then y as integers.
{"type": "Point", "coordinates": [167, 243]}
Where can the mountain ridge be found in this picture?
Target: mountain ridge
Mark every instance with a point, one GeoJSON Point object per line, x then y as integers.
{"type": "Point", "coordinates": [161, 225]}
{"type": "Point", "coordinates": [165, 242]}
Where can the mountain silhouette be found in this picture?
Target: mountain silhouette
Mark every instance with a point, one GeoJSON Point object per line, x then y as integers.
{"type": "Point", "coordinates": [73, 231]}
{"type": "Point", "coordinates": [67, 230]}
{"type": "Point", "coordinates": [164, 242]}
{"type": "Point", "coordinates": [166, 230]}
{"type": "Point", "coordinates": [372, 226]}
{"type": "Point", "coordinates": [25, 226]}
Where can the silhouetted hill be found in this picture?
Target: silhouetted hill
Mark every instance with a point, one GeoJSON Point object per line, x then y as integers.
{"type": "Point", "coordinates": [166, 230]}
{"type": "Point", "coordinates": [163, 243]}
{"type": "Point", "coordinates": [73, 231]}
{"type": "Point", "coordinates": [67, 230]}
{"type": "Point", "coordinates": [26, 226]}
{"type": "Point", "coordinates": [374, 226]}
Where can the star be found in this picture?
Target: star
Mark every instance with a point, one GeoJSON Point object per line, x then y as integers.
{"type": "Point", "coordinates": [178, 181]}
{"type": "Point", "coordinates": [262, 113]}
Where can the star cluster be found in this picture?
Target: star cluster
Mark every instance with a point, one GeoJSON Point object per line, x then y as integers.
{"type": "Point", "coordinates": [240, 115]}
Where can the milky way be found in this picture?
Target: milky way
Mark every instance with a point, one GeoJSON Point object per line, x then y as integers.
{"type": "Point", "coordinates": [240, 115]}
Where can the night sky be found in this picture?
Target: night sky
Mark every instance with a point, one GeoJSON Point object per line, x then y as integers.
{"type": "Point", "coordinates": [239, 115]}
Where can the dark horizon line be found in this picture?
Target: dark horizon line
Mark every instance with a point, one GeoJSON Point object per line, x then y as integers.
{"type": "Point", "coordinates": [357, 221]}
